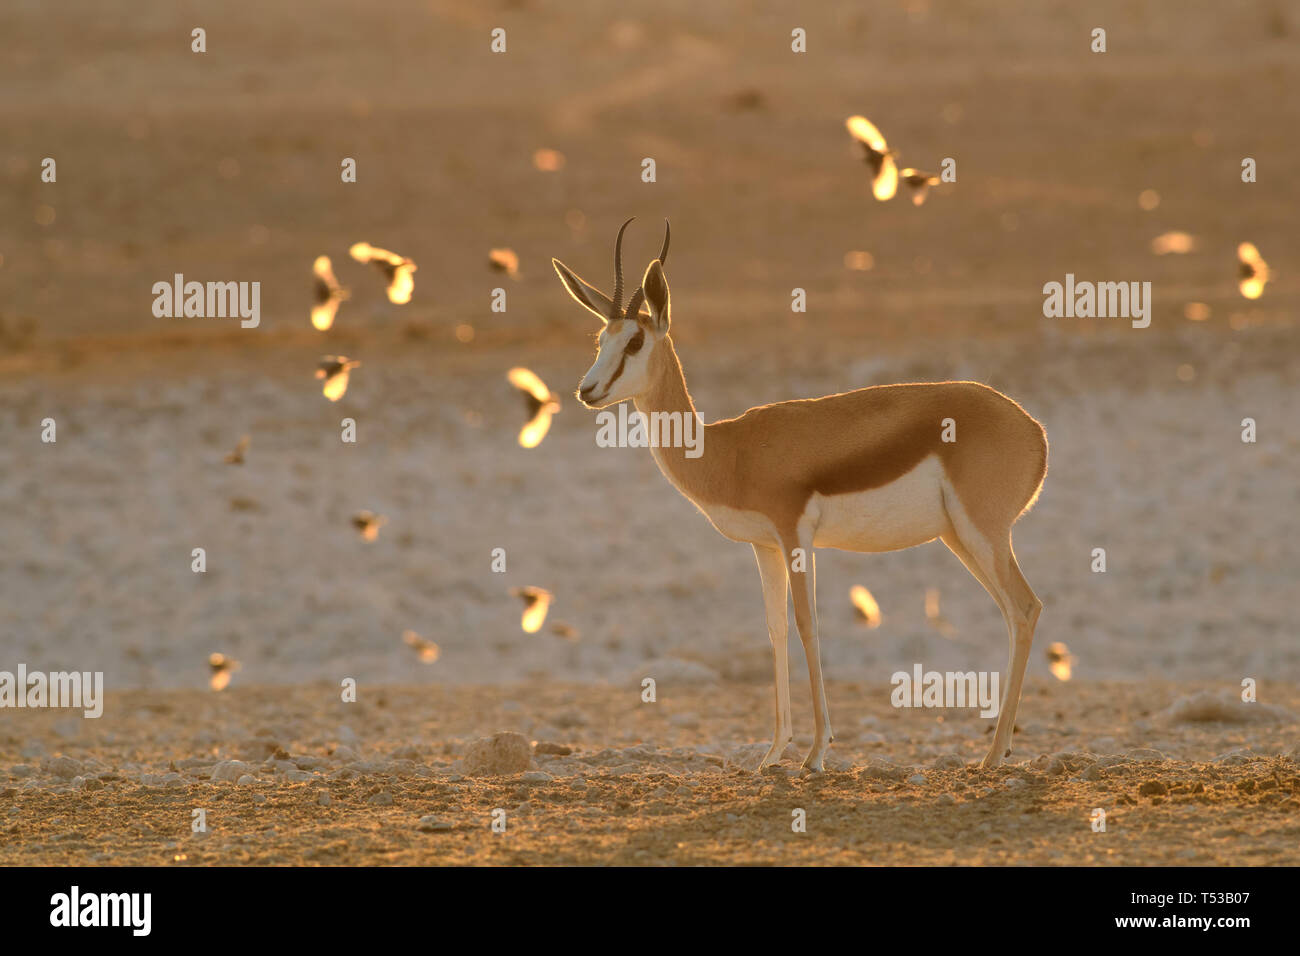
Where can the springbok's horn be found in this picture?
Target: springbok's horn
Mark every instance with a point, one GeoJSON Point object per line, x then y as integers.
{"type": "Point", "coordinates": [616, 307]}
{"type": "Point", "coordinates": [634, 304]}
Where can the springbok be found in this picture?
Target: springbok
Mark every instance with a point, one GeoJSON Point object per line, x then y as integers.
{"type": "Point", "coordinates": [867, 470]}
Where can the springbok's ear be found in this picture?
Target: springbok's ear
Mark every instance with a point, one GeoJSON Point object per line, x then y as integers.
{"type": "Point", "coordinates": [587, 296]}
{"type": "Point", "coordinates": [657, 298]}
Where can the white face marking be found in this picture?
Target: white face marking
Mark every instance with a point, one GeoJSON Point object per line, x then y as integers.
{"type": "Point", "coordinates": [616, 374]}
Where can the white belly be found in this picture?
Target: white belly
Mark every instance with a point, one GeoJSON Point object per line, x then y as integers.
{"type": "Point", "coordinates": [906, 512]}
{"type": "Point", "coordinates": [749, 526]}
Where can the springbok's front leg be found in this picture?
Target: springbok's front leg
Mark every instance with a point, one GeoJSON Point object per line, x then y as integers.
{"type": "Point", "coordinates": [771, 569]}
{"type": "Point", "coordinates": [803, 587]}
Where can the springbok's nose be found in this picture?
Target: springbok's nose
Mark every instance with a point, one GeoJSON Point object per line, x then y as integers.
{"type": "Point", "coordinates": [585, 392]}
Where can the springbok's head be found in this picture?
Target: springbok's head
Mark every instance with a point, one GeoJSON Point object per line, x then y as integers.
{"type": "Point", "coordinates": [630, 337]}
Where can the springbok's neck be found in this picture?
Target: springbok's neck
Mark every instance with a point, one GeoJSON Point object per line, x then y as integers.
{"type": "Point", "coordinates": [667, 394]}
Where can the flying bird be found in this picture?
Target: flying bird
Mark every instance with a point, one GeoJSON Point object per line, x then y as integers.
{"type": "Point", "coordinates": [334, 370]}
{"type": "Point", "coordinates": [1176, 242]}
{"type": "Point", "coordinates": [919, 183]}
{"type": "Point", "coordinates": [328, 294]}
{"type": "Point", "coordinates": [396, 270]}
{"type": "Point", "coordinates": [368, 524]}
{"type": "Point", "coordinates": [865, 605]}
{"type": "Point", "coordinates": [934, 616]}
{"type": "Point", "coordinates": [223, 668]}
{"type": "Point", "coordinates": [1254, 271]}
{"type": "Point", "coordinates": [504, 260]}
{"type": "Point", "coordinates": [566, 631]}
{"type": "Point", "coordinates": [537, 601]}
{"type": "Point", "coordinates": [1060, 661]}
{"type": "Point", "coordinates": [236, 457]}
{"type": "Point", "coordinates": [542, 404]}
{"type": "Point", "coordinates": [876, 154]}
{"type": "Point", "coordinates": [426, 650]}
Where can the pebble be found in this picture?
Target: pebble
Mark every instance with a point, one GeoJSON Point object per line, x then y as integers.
{"type": "Point", "coordinates": [548, 747]}
{"type": "Point", "coordinates": [949, 762]}
{"type": "Point", "coordinates": [229, 770]}
{"type": "Point", "coordinates": [245, 780]}
{"type": "Point", "coordinates": [22, 770]}
{"type": "Point", "coordinates": [1153, 788]}
{"type": "Point", "coordinates": [65, 768]}
{"type": "Point", "coordinates": [324, 799]}
{"type": "Point", "coordinates": [502, 753]}
{"type": "Point", "coordinates": [345, 754]}
{"type": "Point", "coordinates": [916, 778]}
{"type": "Point", "coordinates": [431, 824]}
{"type": "Point", "coordinates": [259, 798]}
{"type": "Point", "coordinates": [537, 776]}
{"type": "Point", "coordinates": [299, 776]}
{"type": "Point", "coordinates": [381, 799]}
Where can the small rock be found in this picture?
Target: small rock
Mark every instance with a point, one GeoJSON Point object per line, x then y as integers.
{"type": "Point", "coordinates": [947, 799]}
{"type": "Point", "coordinates": [1234, 758]}
{"type": "Point", "coordinates": [245, 780]}
{"type": "Point", "coordinates": [502, 753]}
{"type": "Point", "coordinates": [948, 762]}
{"type": "Point", "coordinates": [1153, 788]}
{"type": "Point", "coordinates": [298, 776]}
{"type": "Point", "coordinates": [92, 783]}
{"type": "Point", "coordinates": [547, 747]}
{"type": "Point", "coordinates": [431, 824]}
{"type": "Point", "coordinates": [324, 799]}
{"type": "Point", "coordinates": [65, 768]}
{"type": "Point", "coordinates": [345, 754]}
{"type": "Point", "coordinates": [1144, 753]}
{"type": "Point", "coordinates": [917, 778]}
{"type": "Point", "coordinates": [536, 776]}
{"type": "Point", "coordinates": [1016, 783]}
{"type": "Point", "coordinates": [229, 770]}
{"type": "Point", "coordinates": [381, 799]}
{"type": "Point", "coordinates": [259, 798]}
{"type": "Point", "coordinates": [22, 770]}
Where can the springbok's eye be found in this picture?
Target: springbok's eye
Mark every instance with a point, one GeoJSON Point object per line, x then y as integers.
{"type": "Point", "coordinates": [637, 341]}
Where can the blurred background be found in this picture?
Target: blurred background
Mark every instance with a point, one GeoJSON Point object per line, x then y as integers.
{"type": "Point", "coordinates": [224, 166]}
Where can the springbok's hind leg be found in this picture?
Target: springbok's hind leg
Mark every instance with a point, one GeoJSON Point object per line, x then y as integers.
{"type": "Point", "coordinates": [997, 570]}
{"type": "Point", "coordinates": [771, 569]}
{"type": "Point", "coordinates": [803, 588]}
{"type": "Point", "coordinates": [1023, 608]}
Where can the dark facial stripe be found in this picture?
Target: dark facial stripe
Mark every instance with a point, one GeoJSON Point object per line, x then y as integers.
{"type": "Point", "coordinates": [617, 372]}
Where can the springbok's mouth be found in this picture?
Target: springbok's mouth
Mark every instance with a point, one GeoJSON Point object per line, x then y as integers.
{"type": "Point", "coordinates": [591, 400]}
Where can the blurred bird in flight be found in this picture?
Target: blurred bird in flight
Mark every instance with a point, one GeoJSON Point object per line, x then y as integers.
{"type": "Point", "coordinates": [427, 651]}
{"type": "Point", "coordinates": [328, 294]}
{"type": "Point", "coordinates": [397, 270]}
{"type": "Point", "coordinates": [919, 183]}
{"type": "Point", "coordinates": [1253, 273]}
{"type": "Point", "coordinates": [541, 403]}
{"type": "Point", "coordinates": [876, 154]}
{"type": "Point", "coordinates": [864, 603]}
{"type": "Point", "coordinates": [236, 457]}
{"type": "Point", "coordinates": [334, 371]}
{"type": "Point", "coordinates": [223, 668]}
{"type": "Point", "coordinates": [368, 524]}
{"type": "Point", "coordinates": [537, 601]}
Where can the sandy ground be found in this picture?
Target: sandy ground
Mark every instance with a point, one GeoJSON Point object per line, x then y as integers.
{"type": "Point", "coordinates": [225, 167]}
{"type": "Point", "coordinates": [669, 782]}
